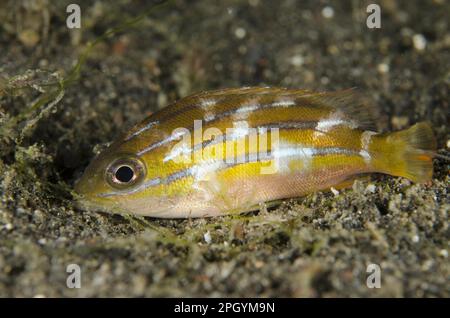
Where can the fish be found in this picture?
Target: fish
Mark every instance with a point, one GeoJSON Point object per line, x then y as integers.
{"type": "Point", "coordinates": [230, 150]}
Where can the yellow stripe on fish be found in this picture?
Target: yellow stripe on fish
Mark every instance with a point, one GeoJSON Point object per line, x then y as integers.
{"type": "Point", "coordinates": [228, 150]}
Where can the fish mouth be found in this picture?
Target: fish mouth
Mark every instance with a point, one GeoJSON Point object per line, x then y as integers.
{"type": "Point", "coordinates": [84, 200]}
{"type": "Point", "coordinates": [83, 186]}
{"type": "Point", "coordinates": [85, 203]}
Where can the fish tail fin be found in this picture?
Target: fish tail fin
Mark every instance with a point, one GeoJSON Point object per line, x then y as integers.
{"type": "Point", "coordinates": [407, 153]}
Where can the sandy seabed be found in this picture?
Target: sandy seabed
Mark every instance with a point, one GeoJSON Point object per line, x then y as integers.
{"type": "Point", "coordinates": [319, 245]}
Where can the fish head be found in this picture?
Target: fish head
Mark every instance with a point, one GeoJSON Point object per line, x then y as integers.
{"type": "Point", "coordinates": [115, 181]}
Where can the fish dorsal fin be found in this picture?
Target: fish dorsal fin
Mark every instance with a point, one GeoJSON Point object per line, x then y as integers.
{"type": "Point", "coordinates": [345, 105]}
{"type": "Point", "coordinates": [348, 103]}
{"type": "Point", "coordinates": [351, 106]}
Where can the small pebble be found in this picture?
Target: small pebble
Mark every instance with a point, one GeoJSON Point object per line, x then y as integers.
{"type": "Point", "coordinates": [443, 253]}
{"type": "Point", "coordinates": [371, 188]}
{"type": "Point", "coordinates": [383, 68]}
{"type": "Point", "coordinates": [335, 192]}
{"type": "Point", "coordinates": [207, 237]}
{"type": "Point", "coordinates": [416, 238]}
{"type": "Point", "coordinates": [419, 41]}
{"type": "Point", "coordinates": [328, 12]}
{"type": "Point", "coordinates": [297, 60]}
{"type": "Point", "coordinates": [240, 33]}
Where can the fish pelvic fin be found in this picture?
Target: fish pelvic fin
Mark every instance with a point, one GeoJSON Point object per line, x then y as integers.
{"type": "Point", "coordinates": [407, 153]}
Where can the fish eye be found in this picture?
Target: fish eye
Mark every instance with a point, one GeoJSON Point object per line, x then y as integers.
{"type": "Point", "coordinates": [125, 172]}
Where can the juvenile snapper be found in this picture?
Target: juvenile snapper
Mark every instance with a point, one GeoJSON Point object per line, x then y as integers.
{"type": "Point", "coordinates": [228, 150]}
